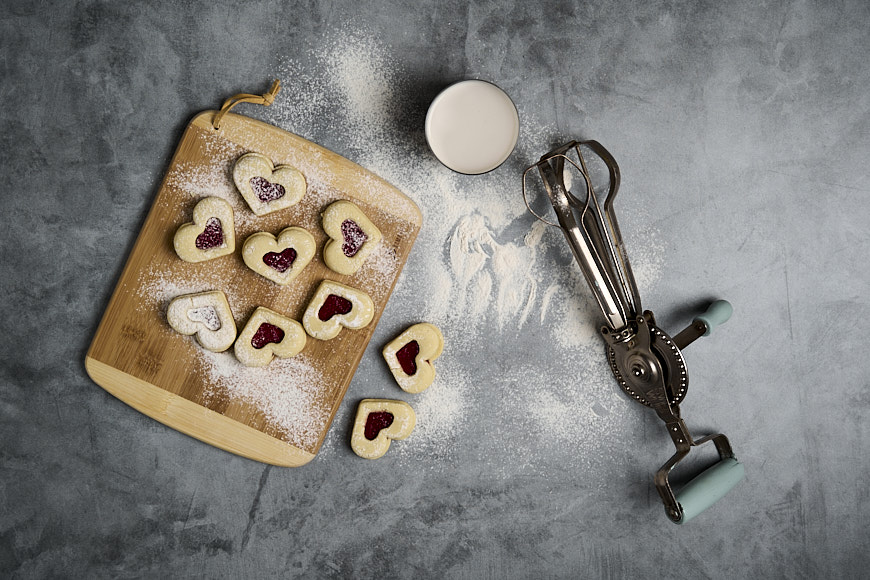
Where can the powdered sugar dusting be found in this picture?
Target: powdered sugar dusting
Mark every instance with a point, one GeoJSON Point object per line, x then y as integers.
{"type": "Point", "coordinates": [366, 85]}
{"type": "Point", "coordinates": [442, 410]}
{"type": "Point", "coordinates": [158, 287]}
{"type": "Point", "coordinates": [381, 267]}
{"type": "Point", "coordinates": [287, 392]}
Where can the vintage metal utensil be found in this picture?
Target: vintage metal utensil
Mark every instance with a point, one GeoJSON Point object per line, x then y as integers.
{"type": "Point", "coordinates": [647, 363]}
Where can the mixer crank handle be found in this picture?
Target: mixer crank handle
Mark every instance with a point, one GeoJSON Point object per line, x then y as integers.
{"type": "Point", "coordinates": [717, 313]}
{"type": "Point", "coordinates": [706, 488]}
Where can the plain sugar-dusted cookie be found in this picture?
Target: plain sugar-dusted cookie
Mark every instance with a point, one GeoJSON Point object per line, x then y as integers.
{"type": "Point", "coordinates": [210, 235]}
{"type": "Point", "coordinates": [335, 305]}
{"type": "Point", "coordinates": [206, 314]}
{"type": "Point", "coordinates": [265, 187]}
{"type": "Point", "coordinates": [410, 356]}
{"type": "Point", "coordinates": [266, 335]}
{"type": "Point", "coordinates": [378, 422]}
{"type": "Point", "coordinates": [279, 259]}
{"type": "Point", "coordinates": [353, 237]}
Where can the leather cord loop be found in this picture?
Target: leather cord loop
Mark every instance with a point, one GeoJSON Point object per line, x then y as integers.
{"type": "Point", "coordinates": [264, 99]}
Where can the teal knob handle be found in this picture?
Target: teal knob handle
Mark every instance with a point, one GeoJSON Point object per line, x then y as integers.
{"type": "Point", "coordinates": [718, 313]}
{"type": "Point", "coordinates": [709, 487]}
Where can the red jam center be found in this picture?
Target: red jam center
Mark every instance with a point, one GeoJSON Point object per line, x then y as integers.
{"type": "Point", "coordinates": [407, 356]}
{"type": "Point", "coordinates": [354, 238]}
{"type": "Point", "coordinates": [333, 305]}
{"type": "Point", "coordinates": [265, 334]}
{"type": "Point", "coordinates": [377, 421]}
{"type": "Point", "coordinates": [282, 261]}
{"type": "Point", "coordinates": [266, 190]}
{"type": "Point", "coordinates": [212, 236]}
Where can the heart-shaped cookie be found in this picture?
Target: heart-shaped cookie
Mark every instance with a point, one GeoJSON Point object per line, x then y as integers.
{"type": "Point", "coordinates": [378, 422]}
{"type": "Point", "coordinates": [353, 237]}
{"type": "Point", "coordinates": [206, 314]}
{"type": "Point", "coordinates": [265, 187]}
{"type": "Point", "coordinates": [335, 306]}
{"type": "Point", "coordinates": [410, 356]}
{"type": "Point", "coordinates": [210, 235]}
{"type": "Point", "coordinates": [266, 335]}
{"type": "Point", "coordinates": [279, 259]}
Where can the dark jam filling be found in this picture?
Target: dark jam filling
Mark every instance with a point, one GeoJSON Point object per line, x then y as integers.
{"type": "Point", "coordinates": [212, 236]}
{"type": "Point", "coordinates": [407, 356]}
{"type": "Point", "coordinates": [266, 190]}
{"type": "Point", "coordinates": [333, 305]}
{"type": "Point", "coordinates": [265, 334]}
{"type": "Point", "coordinates": [377, 421]}
{"type": "Point", "coordinates": [354, 238]}
{"type": "Point", "coordinates": [282, 261]}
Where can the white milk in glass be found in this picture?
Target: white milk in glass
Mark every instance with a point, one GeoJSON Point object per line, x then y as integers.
{"type": "Point", "coordinates": [472, 127]}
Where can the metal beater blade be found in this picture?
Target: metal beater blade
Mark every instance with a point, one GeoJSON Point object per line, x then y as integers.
{"type": "Point", "coordinates": [592, 232]}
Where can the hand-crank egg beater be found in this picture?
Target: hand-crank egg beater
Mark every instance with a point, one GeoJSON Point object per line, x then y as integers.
{"type": "Point", "coordinates": [647, 363]}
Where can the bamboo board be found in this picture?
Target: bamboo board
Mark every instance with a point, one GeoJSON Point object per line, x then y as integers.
{"type": "Point", "coordinates": [279, 414]}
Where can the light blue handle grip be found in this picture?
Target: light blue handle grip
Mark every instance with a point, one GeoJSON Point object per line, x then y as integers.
{"type": "Point", "coordinates": [709, 487]}
{"type": "Point", "coordinates": [718, 313]}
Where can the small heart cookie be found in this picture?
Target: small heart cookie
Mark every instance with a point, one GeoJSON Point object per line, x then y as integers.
{"type": "Point", "coordinates": [335, 305]}
{"type": "Point", "coordinates": [266, 335]}
{"type": "Point", "coordinates": [210, 235]}
{"type": "Point", "coordinates": [279, 259]}
{"type": "Point", "coordinates": [378, 422]}
{"type": "Point", "coordinates": [353, 237]}
{"type": "Point", "coordinates": [410, 356]}
{"type": "Point", "coordinates": [265, 187]}
{"type": "Point", "coordinates": [206, 314]}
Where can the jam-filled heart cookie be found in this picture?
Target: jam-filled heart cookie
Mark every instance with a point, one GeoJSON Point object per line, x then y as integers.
{"type": "Point", "coordinates": [210, 235]}
{"type": "Point", "coordinates": [378, 422]}
{"type": "Point", "coordinates": [266, 335]}
{"type": "Point", "coordinates": [279, 259]}
{"type": "Point", "coordinates": [410, 356]}
{"type": "Point", "coordinates": [265, 187]}
{"type": "Point", "coordinates": [353, 237]}
{"type": "Point", "coordinates": [206, 314]}
{"type": "Point", "coordinates": [335, 305]}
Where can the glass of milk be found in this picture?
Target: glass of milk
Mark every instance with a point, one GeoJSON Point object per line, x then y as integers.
{"type": "Point", "coordinates": [472, 127]}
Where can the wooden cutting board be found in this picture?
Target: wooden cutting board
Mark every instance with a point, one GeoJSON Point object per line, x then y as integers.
{"type": "Point", "coordinates": [281, 413]}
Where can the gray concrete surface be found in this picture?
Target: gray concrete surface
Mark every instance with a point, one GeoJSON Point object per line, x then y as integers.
{"type": "Point", "coordinates": [743, 132]}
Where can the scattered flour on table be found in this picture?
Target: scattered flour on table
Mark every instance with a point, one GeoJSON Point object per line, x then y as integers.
{"type": "Point", "coordinates": [482, 269]}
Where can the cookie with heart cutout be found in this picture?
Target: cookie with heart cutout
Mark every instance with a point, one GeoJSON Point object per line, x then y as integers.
{"type": "Point", "coordinates": [378, 422]}
{"type": "Point", "coordinates": [266, 335]}
{"type": "Point", "coordinates": [265, 187]}
{"type": "Point", "coordinates": [335, 306]}
{"type": "Point", "coordinates": [205, 314]}
{"type": "Point", "coordinates": [210, 235]}
{"type": "Point", "coordinates": [410, 356]}
{"type": "Point", "coordinates": [281, 258]}
{"type": "Point", "coordinates": [353, 237]}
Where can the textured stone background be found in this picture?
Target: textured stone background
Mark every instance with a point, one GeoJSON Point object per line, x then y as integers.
{"type": "Point", "coordinates": [743, 132]}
